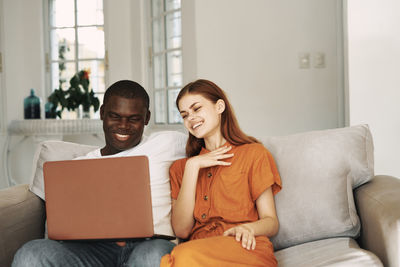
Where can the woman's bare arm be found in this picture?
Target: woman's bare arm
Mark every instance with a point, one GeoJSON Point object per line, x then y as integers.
{"type": "Point", "coordinates": [267, 225]}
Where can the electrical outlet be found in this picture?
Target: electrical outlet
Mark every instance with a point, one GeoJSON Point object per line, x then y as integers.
{"type": "Point", "coordinates": [319, 60]}
{"type": "Point", "coordinates": [304, 60]}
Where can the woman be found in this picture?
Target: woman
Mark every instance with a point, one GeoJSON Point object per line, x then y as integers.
{"type": "Point", "coordinates": [222, 194]}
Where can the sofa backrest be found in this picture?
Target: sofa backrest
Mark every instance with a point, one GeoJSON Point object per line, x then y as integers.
{"type": "Point", "coordinates": [319, 169]}
{"type": "Point", "coordinates": [53, 150]}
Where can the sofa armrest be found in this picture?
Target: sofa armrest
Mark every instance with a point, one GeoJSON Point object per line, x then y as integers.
{"type": "Point", "coordinates": [22, 216]}
{"type": "Point", "coordinates": [378, 204]}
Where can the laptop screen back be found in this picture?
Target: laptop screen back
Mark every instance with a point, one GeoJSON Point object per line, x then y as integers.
{"type": "Point", "coordinates": [105, 198]}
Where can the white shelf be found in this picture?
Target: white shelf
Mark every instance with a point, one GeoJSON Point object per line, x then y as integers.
{"type": "Point", "coordinates": [55, 127]}
{"type": "Point", "coordinates": [46, 129]}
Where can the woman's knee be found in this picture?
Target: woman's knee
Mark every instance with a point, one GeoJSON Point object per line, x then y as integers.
{"type": "Point", "coordinates": [184, 250]}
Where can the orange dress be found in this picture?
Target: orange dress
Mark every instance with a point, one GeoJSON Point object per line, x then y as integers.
{"type": "Point", "coordinates": [225, 197]}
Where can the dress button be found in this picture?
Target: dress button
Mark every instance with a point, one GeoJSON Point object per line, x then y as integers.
{"type": "Point", "coordinates": [203, 216]}
{"type": "Point", "coordinates": [209, 174]}
{"type": "Point", "coordinates": [205, 197]}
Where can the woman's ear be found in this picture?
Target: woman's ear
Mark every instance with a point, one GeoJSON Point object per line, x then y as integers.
{"type": "Point", "coordinates": [220, 106]}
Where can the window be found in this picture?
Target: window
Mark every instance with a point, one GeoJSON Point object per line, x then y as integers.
{"type": "Point", "coordinates": [76, 42]}
{"type": "Point", "coordinates": [166, 59]}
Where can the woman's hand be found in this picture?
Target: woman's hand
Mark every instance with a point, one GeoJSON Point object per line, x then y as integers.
{"type": "Point", "coordinates": [212, 158]}
{"type": "Point", "coordinates": [243, 233]}
{"type": "Point", "coordinates": [267, 225]}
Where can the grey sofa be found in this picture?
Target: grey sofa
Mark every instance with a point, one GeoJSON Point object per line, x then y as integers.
{"type": "Point", "coordinates": [333, 210]}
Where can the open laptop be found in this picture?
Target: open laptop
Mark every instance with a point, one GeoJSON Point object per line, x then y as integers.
{"type": "Point", "coordinates": [96, 199]}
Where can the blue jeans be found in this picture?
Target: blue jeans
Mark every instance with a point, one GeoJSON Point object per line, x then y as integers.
{"type": "Point", "coordinates": [46, 252]}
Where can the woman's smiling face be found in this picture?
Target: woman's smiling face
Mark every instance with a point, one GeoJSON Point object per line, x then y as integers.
{"type": "Point", "coordinates": [201, 117]}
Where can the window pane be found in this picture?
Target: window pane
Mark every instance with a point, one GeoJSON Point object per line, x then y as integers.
{"type": "Point", "coordinates": [90, 12]}
{"type": "Point", "coordinates": [62, 73]}
{"type": "Point", "coordinates": [173, 114]}
{"type": "Point", "coordinates": [156, 7]}
{"type": "Point", "coordinates": [91, 42]}
{"type": "Point", "coordinates": [174, 30]}
{"type": "Point", "coordinates": [96, 115]}
{"type": "Point", "coordinates": [62, 13]}
{"type": "Point", "coordinates": [101, 98]}
{"type": "Point", "coordinates": [77, 47]}
{"type": "Point", "coordinates": [159, 104]}
{"type": "Point", "coordinates": [174, 76]}
{"type": "Point", "coordinates": [158, 36]}
{"type": "Point", "coordinates": [63, 44]}
{"type": "Point", "coordinates": [159, 72]}
{"type": "Point", "coordinates": [173, 4]}
{"type": "Point", "coordinates": [167, 58]}
{"type": "Point", "coordinates": [96, 69]}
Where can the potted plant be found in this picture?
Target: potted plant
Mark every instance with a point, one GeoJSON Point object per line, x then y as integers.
{"type": "Point", "coordinates": [77, 94]}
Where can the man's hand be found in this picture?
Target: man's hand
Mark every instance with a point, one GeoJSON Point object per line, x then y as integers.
{"type": "Point", "coordinates": [243, 233]}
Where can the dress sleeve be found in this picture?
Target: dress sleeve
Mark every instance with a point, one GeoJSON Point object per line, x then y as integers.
{"type": "Point", "coordinates": [175, 176]}
{"type": "Point", "coordinates": [264, 173]}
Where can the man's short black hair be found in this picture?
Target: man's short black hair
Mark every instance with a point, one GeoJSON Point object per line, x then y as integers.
{"type": "Point", "coordinates": [127, 89]}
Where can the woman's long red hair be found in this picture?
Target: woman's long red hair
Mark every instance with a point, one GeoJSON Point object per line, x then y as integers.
{"type": "Point", "coordinates": [229, 126]}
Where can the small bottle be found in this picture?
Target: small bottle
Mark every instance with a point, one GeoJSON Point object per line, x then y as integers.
{"type": "Point", "coordinates": [49, 110]}
{"type": "Point", "coordinates": [32, 106]}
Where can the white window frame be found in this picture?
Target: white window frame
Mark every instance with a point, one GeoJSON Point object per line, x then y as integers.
{"type": "Point", "coordinates": [47, 48]}
{"type": "Point", "coordinates": [165, 89]}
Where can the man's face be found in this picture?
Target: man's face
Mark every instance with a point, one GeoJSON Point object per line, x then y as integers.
{"type": "Point", "coordinates": [123, 123]}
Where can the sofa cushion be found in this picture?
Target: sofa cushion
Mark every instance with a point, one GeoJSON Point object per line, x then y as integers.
{"type": "Point", "coordinates": [328, 252]}
{"type": "Point", "coordinates": [319, 169]}
{"type": "Point", "coordinates": [21, 219]}
{"type": "Point", "coordinates": [52, 151]}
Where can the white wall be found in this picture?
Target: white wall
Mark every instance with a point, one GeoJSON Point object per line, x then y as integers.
{"type": "Point", "coordinates": [373, 76]}
{"type": "Point", "coordinates": [123, 20]}
{"type": "Point", "coordinates": [22, 40]}
{"type": "Point", "coordinates": [3, 105]}
{"type": "Point", "coordinates": [250, 49]}
{"type": "Point", "coordinates": [23, 48]}
{"type": "Point", "coordinates": [3, 181]}
{"type": "Point", "coordinates": [23, 53]}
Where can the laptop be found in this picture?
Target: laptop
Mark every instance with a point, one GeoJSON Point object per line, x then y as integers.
{"type": "Point", "coordinates": [99, 199]}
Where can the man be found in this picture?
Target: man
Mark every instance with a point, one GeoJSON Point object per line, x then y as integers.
{"type": "Point", "coordinates": [124, 113]}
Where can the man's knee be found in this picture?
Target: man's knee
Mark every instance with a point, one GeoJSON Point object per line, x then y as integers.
{"type": "Point", "coordinates": [149, 253]}
{"type": "Point", "coordinates": [34, 253]}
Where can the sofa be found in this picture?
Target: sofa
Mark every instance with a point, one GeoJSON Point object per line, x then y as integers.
{"type": "Point", "coordinates": [333, 210]}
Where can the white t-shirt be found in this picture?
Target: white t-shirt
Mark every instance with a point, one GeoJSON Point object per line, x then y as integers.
{"type": "Point", "coordinates": [162, 148]}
